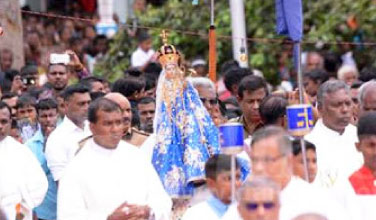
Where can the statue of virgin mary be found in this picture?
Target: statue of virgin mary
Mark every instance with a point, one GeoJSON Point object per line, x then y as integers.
{"type": "Point", "coordinates": [185, 133]}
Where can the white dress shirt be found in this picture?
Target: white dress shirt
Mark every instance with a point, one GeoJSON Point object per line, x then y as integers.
{"type": "Point", "coordinates": [62, 144]}
{"type": "Point", "coordinates": [98, 180]}
{"type": "Point", "coordinates": [22, 180]}
{"type": "Point", "coordinates": [299, 197]}
{"type": "Point", "coordinates": [140, 57]}
{"type": "Point", "coordinates": [356, 198]}
{"type": "Point", "coordinates": [337, 156]}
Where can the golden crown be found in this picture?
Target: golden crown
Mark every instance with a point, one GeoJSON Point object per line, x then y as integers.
{"type": "Point", "coordinates": [167, 53]}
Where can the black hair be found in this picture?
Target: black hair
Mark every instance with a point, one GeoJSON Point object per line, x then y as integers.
{"type": "Point", "coordinates": [26, 100]}
{"type": "Point", "coordinates": [8, 95]}
{"type": "Point", "coordinates": [6, 82]}
{"type": "Point", "coordinates": [150, 81]}
{"type": "Point", "coordinates": [10, 74]}
{"type": "Point", "coordinates": [96, 95]}
{"type": "Point", "coordinates": [222, 108]}
{"type": "Point", "coordinates": [367, 74]}
{"type": "Point", "coordinates": [29, 69]}
{"type": "Point", "coordinates": [4, 105]}
{"type": "Point", "coordinates": [234, 76]}
{"type": "Point", "coordinates": [146, 100]}
{"type": "Point", "coordinates": [89, 80]}
{"type": "Point", "coordinates": [46, 104]}
{"type": "Point", "coordinates": [14, 125]}
{"type": "Point", "coordinates": [128, 86]}
{"type": "Point", "coordinates": [143, 36]}
{"type": "Point", "coordinates": [153, 68]}
{"type": "Point", "coordinates": [356, 85]}
{"type": "Point", "coordinates": [72, 89]}
{"type": "Point", "coordinates": [297, 148]}
{"type": "Point", "coordinates": [367, 125]}
{"type": "Point", "coordinates": [272, 108]}
{"type": "Point", "coordinates": [332, 62]}
{"type": "Point", "coordinates": [251, 83]}
{"type": "Point", "coordinates": [98, 38]}
{"type": "Point", "coordinates": [218, 164]}
{"type": "Point", "coordinates": [317, 75]}
{"type": "Point", "coordinates": [132, 72]}
{"type": "Point", "coordinates": [227, 65]}
{"type": "Point", "coordinates": [101, 104]}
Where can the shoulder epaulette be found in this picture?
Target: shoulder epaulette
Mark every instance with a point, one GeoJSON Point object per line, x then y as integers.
{"type": "Point", "coordinates": [82, 143]}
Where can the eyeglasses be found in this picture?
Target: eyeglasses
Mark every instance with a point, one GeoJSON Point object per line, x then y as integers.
{"type": "Point", "coordinates": [253, 206]}
{"type": "Point", "coordinates": [266, 160]}
{"type": "Point", "coordinates": [211, 101]}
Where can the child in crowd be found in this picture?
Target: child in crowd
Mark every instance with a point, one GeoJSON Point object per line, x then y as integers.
{"type": "Point", "coordinates": [298, 166]}
{"type": "Point", "coordinates": [218, 180]}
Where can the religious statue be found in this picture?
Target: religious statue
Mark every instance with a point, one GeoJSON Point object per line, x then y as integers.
{"type": "Point", "coordinates": [185, 133]}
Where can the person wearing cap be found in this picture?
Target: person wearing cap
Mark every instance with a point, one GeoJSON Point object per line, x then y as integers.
{"type": "Point", "coordinates": [144, 53]}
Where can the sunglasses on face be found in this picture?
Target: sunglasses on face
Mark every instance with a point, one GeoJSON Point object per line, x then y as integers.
{"type": "Point", "coordinates": [253, 206]}
{"type": "Point", "coordinates": [211, 101]}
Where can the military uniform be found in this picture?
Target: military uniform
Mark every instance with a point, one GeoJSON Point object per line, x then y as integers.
{"type": "Point", "coordinates": [247, 133]}
{"type": "Point", "coordinates": [82, 142]}
{"type": "Point", "coordinates": [135, 137]}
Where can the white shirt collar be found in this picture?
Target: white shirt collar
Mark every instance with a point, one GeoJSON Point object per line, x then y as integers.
{"type": "Point", "coordinates": [323, 129]}
{"type": "Point", "coordinates": [68, 125]}
{"type": "Point", "coordinates": [102, 150]}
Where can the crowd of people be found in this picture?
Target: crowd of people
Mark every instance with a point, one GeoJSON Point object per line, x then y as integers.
{"type": "Point", "coordinates": [76, 146]}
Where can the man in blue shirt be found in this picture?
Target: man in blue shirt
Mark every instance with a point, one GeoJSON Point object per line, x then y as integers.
{"type": "Point", "coordinates": [47, 117]}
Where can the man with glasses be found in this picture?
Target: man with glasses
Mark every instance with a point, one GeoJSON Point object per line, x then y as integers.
{"type": "Point", "coordinates": [208, 96]}
{"type": "Point", "coordinates": [271, 156]}
{"type": "Point", "coordinates": [259, 199]}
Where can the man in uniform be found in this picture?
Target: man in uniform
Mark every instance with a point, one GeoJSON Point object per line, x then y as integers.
{"type": "Point", "coordinates": [252, 90]}
{"type": "Point", "coordinates": [131, 135]}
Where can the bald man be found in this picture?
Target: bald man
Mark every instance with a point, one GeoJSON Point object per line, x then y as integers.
{"type": "Point", "coordinates": [310, 216]}
{"type": "Point", "coordinates": [131, 135]}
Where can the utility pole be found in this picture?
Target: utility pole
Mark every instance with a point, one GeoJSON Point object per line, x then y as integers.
{"type": "Point", "coordinates": [239, 42]}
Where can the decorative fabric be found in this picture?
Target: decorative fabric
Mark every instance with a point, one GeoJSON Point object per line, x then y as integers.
{"type": "Point", "coordinates": [186, 135]}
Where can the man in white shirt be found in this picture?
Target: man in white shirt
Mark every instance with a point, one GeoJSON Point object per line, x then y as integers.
{"type": "Point", "coordinates": [333, 135]}
{"type": "Point", "coordinates": [271, 156]}
{"type": "Point", "coordinates": [110, 179]}
{"type": "Point", "coordinates": [144, 53]}
{"type": "Point", "coordinates": [357, 193]}
{"type": "Point", "coordinates": [62, 143]}
{"type": "Point", "coordinates": [23, 183]}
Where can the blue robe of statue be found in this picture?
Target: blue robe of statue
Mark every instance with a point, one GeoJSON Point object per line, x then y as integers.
{"type": "Point", "coordinates": [186, 137]}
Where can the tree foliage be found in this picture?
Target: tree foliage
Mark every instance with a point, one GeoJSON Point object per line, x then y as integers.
{"type": "Point", "coordinates": [325, 21]}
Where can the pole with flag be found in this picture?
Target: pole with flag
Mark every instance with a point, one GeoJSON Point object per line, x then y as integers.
{"type": "Point", "coordinates": [212, 46]}
{"type": "Point", "coordinates": [289, 16]}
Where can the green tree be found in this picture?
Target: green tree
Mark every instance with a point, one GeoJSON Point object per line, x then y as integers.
{"type": "Point", "coordinates": [325, 21]}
